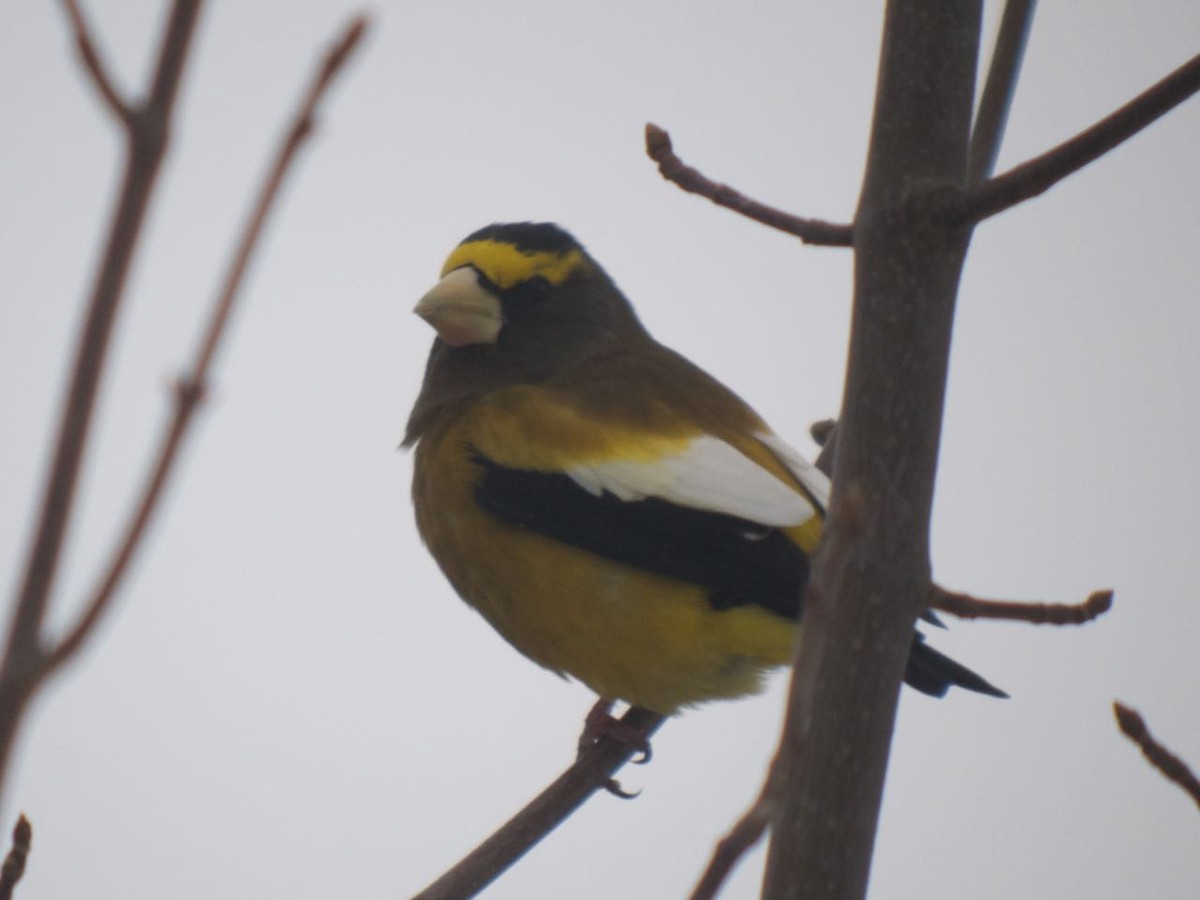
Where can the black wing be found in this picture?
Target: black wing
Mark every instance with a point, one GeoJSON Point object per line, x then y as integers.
{"type": "Point", "coordinates": [740, 562]}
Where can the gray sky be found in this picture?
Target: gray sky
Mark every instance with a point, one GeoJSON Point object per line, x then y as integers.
{"type": "Point", "coordinates": [290, 702]}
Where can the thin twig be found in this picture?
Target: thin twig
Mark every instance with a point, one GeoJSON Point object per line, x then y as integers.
{"type": "Point", "coordinates": [992, 115]}
{"type": "Point", "coordinates": [966, 606]}
{"type": "Point", "coordinates": [1042, 172]}
{"type": "Point", "coordinates": [1175, 769]}
{"type": "Point", "coordinates": [672, 168]}
{"type": "Point", "coordinates": [747, 832]}
{"type": "Point", "coordinates": [147, 133]}
{"type": "Point", "coordinates": [592, 771]}
{"type": "Point", "coordinates": [299, 129]}
{"type": "Point", "coordinates": [191, 387]}
{"type": "Point", "coordinates": [90, 56]}
{"type": "Point", "coordinates": [14, 863]}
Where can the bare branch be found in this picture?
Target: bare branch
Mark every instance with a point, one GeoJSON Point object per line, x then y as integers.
{"type": "Point", "coordinates": [191, 387]}
{"type": "Point", "coordinates": [298, 131]}
{"type": "Point", "coordinates": [1133, 726]}
{"type": "Point", "coordinates": [1042, 172]}
{"type": "Point", "coordinates": [966, 606]}
{"type": "Point", "coordinates": [747, 832]}
{"type": "Point", "coordinates": [90, 56]}
{"type": "Point", "coordinates": [994, 105]}
{"type": "Point", "coordinates": [14, 863]}
{"type": "Point", "coordinates": [672, 168]}
{"type": "Point", "coordinates": [592, 771]}
{"type": "Point", "coordinates": [187, 397]}
{"type": "Point", "coordinates": [147, 139]}
{"type": "Point", "coordinates": [905, 280]}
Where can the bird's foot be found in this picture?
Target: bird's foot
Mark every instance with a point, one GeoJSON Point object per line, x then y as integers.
{"type": "Point", "coordinates": [600, 723]}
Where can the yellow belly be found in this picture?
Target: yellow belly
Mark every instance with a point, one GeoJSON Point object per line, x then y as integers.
{"type": "Point", "coordinates": [628, 634]}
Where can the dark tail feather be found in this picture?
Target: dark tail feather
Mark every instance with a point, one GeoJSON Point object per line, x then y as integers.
{"type": "Point", "coordinates": [933, 673]}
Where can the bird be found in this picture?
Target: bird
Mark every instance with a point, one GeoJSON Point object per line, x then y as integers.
{"type": "Point", "coordinates": [615, 512]}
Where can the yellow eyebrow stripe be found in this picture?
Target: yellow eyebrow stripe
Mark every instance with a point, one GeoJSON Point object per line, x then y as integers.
{"type": "Point", "coordinates": [504, 265]}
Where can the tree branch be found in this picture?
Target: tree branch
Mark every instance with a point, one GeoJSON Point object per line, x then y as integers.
{"type": "Point", "coordinates": [870, 581]}
{"type": "Point", "coordinates": [191, 387]}
{"type": "Point", "coordinates": [1133, 726]}
{"type": "Point", "coordinates": [14, 863]}
{"type": "Point", "coordinates": [592, 771]}
{"type": "Point", "coordinates": [90, 57]}
{"type": "Point", "coordinates": [746, 832]}
{"type": "Point", "coordinates": [672, 168]}
{"type": "Point", "coordinates": [992, 115]}
{"type": "Point", "coordinates": [27, 662]}
{"type": "Point", "coordinates": [966, 606]}
{"type": "Point", "coordinates": [1042, 172]}
{"type": "Point", "coordinates": [147, 131]}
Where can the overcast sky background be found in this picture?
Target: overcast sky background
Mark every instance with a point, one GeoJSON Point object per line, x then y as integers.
{"type": "Point", "coordinates": [291, 702]}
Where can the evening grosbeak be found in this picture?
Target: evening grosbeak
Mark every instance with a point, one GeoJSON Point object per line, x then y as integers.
{"type": "Point", "coordinates": [614, 511]}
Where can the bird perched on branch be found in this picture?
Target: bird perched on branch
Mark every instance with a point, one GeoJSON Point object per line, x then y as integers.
{"type": "Point", "coordinates": [614, 511]}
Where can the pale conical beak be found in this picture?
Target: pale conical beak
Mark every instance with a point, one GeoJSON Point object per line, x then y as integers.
{"type": "Point", "coordinates": [461, 310]}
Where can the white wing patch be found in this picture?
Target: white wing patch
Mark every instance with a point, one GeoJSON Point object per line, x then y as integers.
{"type": "Point", "coordinates": [816, 481]}
{"type": "Point", "coordinates": [708, 474]}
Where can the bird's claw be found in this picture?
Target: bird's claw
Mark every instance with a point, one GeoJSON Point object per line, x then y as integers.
{"type": "Point", "coordinates": [600, 723]}
{"type": "Point", "coordinates": [614, 787]}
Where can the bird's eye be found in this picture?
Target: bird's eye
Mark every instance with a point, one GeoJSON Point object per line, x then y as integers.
{"type": "Point", "coordinates": [538, 288]}
{"type": "Point", "coordinates": [530, 292]}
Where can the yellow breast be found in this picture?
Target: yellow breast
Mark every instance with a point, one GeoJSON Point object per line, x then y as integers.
{"type": "Point", "coordinates": [628, 634]}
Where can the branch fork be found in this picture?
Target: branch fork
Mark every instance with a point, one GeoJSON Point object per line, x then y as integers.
{"type": "Point", "coordinates": [30, 658]}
